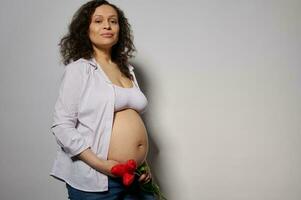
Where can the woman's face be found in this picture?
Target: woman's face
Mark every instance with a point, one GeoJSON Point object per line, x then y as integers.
{"type": "Point", "coordinates": [104, 27]}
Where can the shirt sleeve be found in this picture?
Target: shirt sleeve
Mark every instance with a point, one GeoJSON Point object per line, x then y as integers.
{"type": "Point", "coordinates": [66, 111]}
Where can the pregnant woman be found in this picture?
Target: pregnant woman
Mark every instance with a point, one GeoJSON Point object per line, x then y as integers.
{"type": "Point", "coordinates": [96, 120]}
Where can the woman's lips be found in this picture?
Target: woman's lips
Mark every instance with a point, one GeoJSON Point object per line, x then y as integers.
{"type": "Point", "coordinates": [107, 35]}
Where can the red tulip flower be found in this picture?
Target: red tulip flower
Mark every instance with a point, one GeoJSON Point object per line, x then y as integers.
{"type": "Point", "coordinates": [126, 171]}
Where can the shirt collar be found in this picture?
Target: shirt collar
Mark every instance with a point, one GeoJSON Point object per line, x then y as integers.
{"type": "Point", "coordinates": [93, 63]}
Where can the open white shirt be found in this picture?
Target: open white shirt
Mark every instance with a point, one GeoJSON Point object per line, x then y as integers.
{"type": "Point", "coordinates": [83, 118]}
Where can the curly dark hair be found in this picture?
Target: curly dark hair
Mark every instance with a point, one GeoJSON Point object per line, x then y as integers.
{"type": "Point", "coordinates": [76, 43]}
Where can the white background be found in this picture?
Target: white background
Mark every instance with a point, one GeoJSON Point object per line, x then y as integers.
{"type": "Point", "coordinates": [222, 78]}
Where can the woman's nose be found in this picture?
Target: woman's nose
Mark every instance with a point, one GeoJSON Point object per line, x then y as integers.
{"type": "Point", "coordinates": [106, 25]}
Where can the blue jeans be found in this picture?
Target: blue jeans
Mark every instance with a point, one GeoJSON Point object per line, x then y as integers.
{"type": "Point", "coordinates": [117, 191]}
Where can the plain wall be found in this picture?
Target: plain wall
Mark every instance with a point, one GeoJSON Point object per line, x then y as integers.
{"type": "Point", "coordinates": [222, 78]}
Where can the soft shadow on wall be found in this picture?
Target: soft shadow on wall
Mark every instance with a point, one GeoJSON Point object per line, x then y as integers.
{"type": "Point", "coordinates": [153, 155]}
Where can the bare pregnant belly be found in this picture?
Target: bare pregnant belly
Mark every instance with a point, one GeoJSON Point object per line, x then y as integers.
{"type": "Point", "coordinates": [129, 137]}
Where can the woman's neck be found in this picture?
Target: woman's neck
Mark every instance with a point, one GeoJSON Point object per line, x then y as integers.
{"type": "Point", "coordinates": [103, 55]}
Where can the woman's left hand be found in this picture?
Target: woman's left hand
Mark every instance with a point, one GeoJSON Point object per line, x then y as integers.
{"type": "Point", "coordinates": [145, 177]}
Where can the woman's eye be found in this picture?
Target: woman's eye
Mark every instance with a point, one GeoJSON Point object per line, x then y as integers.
{"type": "Point", "coordinates": [112, 21]}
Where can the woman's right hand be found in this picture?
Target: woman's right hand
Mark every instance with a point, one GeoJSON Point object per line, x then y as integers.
{"type": "Point", "coordinates": [101, 165]}
{"type": "Point", "coordinates": [108, 164]}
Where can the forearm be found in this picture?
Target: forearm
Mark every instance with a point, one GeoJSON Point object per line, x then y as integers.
{"type": "Point", "coordinates": [90, 158]}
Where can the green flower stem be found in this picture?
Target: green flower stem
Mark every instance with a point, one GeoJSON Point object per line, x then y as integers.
{"type": "Point", "coordinates": [149, 186]}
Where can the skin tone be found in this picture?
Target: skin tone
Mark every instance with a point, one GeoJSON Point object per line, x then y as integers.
{"type": "Point", "coordinates": [103, 33]}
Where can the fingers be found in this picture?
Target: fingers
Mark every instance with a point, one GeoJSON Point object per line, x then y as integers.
{"type": "Point", "coordinates": [142, 177]}
{"type": "Point", "coordinates": [148, 178]}
{"type": "Point", "coordinates": [145, 178]}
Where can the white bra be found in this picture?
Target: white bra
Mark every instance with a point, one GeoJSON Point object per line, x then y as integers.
{"type": "Point", "coordinates": [129, 98]}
